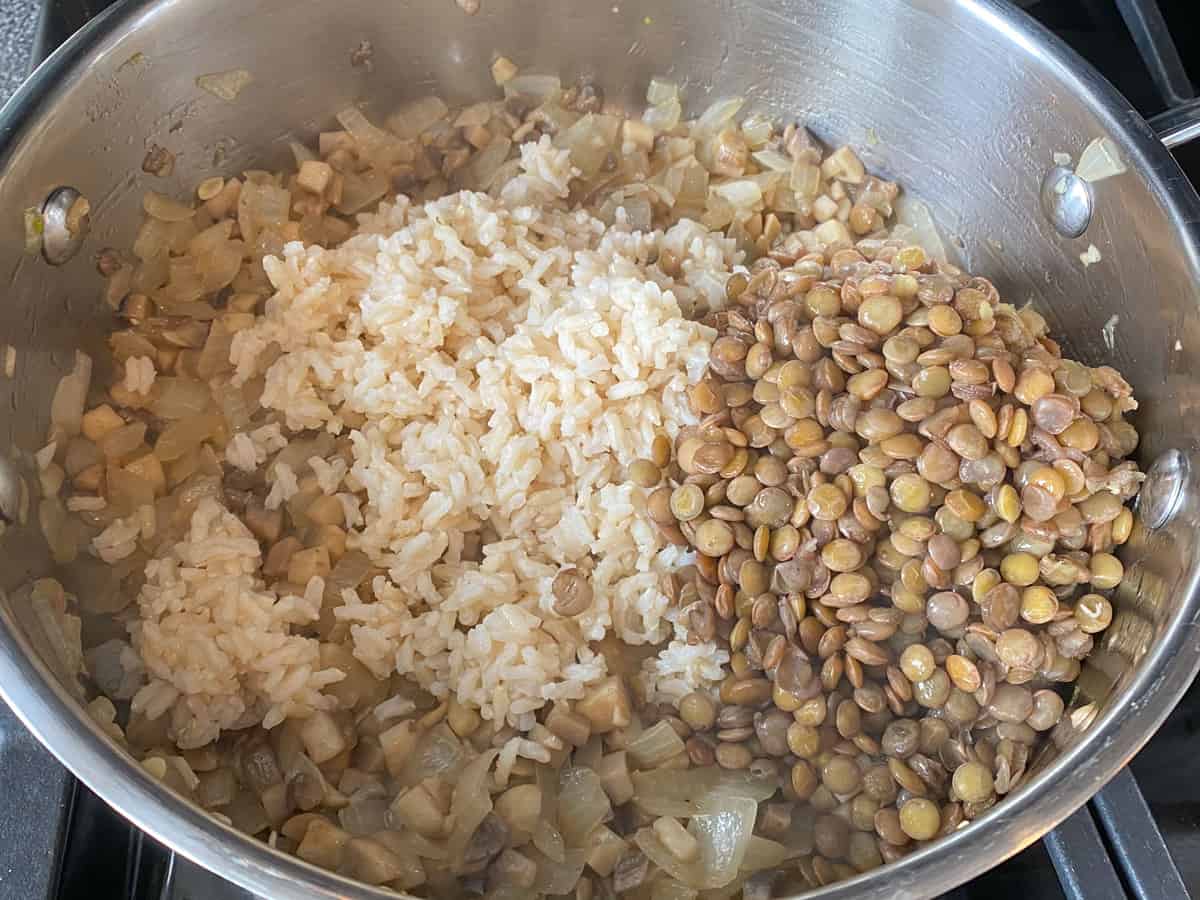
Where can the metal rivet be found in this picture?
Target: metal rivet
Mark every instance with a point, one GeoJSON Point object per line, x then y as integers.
{"type": "Point", "coordinates": [1162, 492]}
{"type": "Point", "coordinates": [63, 231]}
{"type": "Point", "coordinates": [1067, 201]}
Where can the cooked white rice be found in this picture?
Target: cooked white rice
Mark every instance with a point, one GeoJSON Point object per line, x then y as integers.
{"type": "Point", "coordinates": [502, 359]}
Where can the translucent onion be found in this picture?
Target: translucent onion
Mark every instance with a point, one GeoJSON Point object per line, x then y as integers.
{"type": "Point", "coordinates": [638, 213]}
{"type": "Point", "coordinates": [757, 129]}
{"type": "Point", "coordinates": [582, 804]}
{"type": "Point", "coordinates": [772, 160]}
{"type": "Point", "coordinates": [164, 209]}
{"type": "Point", "coordinates": [557, 877]}
{"type": "Point", "coordinates": [183, 435]}
{"type": "Point", "coordinates": [536, 87]}
{"type": "Point", "coordinates": [660, 91]}
{"type": "Point", "coordinates": [549, 840]}
{"type": "Point", "coordinates": [481, 171]}
{"type": "Point", "coordinates": [127, 492]}
{"type": "Point", "coordinates": [656, 745]}
{"type": "Point", "coordinates": [126, 344]}
{"type": "Point", "coordinates": [590, 141]}
{"type": "Point", "coordinates": [218, 268]}
{"type": "Point", "coordinates": [805, 179]}
{"type": "Point", "coordinates": [366, 813]}
{"type": "Point", "coordinates": [508, 892]}
{"type": "Point", "coordinates": [921, 229]}
{"type": "Point", "coordinates": [421, 845]}
{"type": "Point", "coordinates": [663, 116]}
{"type": "Point", "coordinates": [122, 441]}
{"type": "Point", "coordinates": [214, 359]}
{"type": "Point", "coordinates": [116, 288]}
{"type": "Point", "coordinates": [185, 284]}
{"type": "Point", "coordinates": [151, 273]}
{"type": "Point", "coordinates": [689, 792]}
{"type": "Point", "coordinates": [1100, 159]}
{"type": "Point", "coordinates": [180, 234]}
{"type": "Point", "coordinates": [301, 153]}
{"type": "Point", "coordinates": [415, 117]}
{"type": "Point", "coordinates": [178, 398]}
{"type": "Point", "coordinates": [210, 238]}
{"type": "Point", "coordinates": [471, 803]}
{"type": "Point", "coordinates": [745, 193]}
{"type": "Point", "coordinates": [723, 838]}
{"type": "Point", "coordinates": [225, 85]}
{"type": "Point", "coordinates": [693, 190]}
{"type": "Point", "coordinates": [262, 206]}
{"type": "Point", "coordinates": [66, 409]}
{"type": "Point", "coordinates": [361, 190]}
{"type": "Point", "coordinates": [718, 115]}
{"type": "Point", "coordinates": [439, 752]}
{"type": "Point", "coordinates": [153, 239]}
{"type": "Point", "coordinates": [762, 853]}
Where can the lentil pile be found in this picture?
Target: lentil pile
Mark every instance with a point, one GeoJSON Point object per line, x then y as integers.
{"type": "Point", "coordinates": [904, 504]}
{"type": "Point", "coordinates": [896, 501]}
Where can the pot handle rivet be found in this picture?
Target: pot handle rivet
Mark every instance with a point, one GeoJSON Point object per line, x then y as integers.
{"type": "Point", "coordinates": [1067, 201]}
{"type": "Point", "coordinates": [1162, 492]}
{"type": "Point", "coordinates": [65, 222]}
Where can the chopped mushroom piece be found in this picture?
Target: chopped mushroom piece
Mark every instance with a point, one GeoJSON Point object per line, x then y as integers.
{"type": "Point", "coordinates": [613, 771]}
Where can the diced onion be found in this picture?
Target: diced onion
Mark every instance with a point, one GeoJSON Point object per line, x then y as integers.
{"type": "Point", "coordinates": [723, 837]}
{"type": "Point", "coordinates": [185, 434]}
{"type": "Point", "coordinates": [557, 877]}
{"type": "Point", "coordinates": [471, 803]}
{"type": "Point", "coordinates": [66, 409]}
{"type": "Point", "coordinates": [660, 91]}
{"type": "Point", "coordinates": [260, 207]}
{"type": "Point", "coordinates": [161, 207]}
{"type": "Point", "coordinates": [663, 116]}
{"type": "Point", "coordinates": [773, 160]}
{"type": "Point", "coordinates": [439, 753]}
{"type": "Point", "coordinates": [483, 168]}
{"type": "Point", "coordinates": [922, 231]}
{"type": "Point", "coordinates": [537, 87]}
{"type": "Point", "coordinates": [301, 153]}
{"type": "Point", "coordinates": [178, 398]}
{"type": "Point", "coordinates": [415, 117]}
{"type": "Point", "coordinates": [763, 854]}
{"type": "Point", "coordinates": [656, 745]}
{"type": "Point", "coordinates": [361, 190]}
{"type": "Point", "coordinates": [590, 141]}
{"type": "Point", "coordinates": [366, 813]}
{"type": "Point", "coordinates": [757, 129]}
{"type": "Point", "coordinates": [744, 193]}
{"type": "Point", "coordinates": [582, 804]}
{"type": "Point", "coordinates": [692, 791]}
{"type": "Point", "coordinates": [1100, 159]}
{"type": "Point", "coordinates": [716, 116]}
{"type": "Point", "coordinates": [225, 85]}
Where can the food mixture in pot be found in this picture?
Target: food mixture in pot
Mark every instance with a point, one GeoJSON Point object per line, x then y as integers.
{"type": "Point", "coordinates": [442, 489]}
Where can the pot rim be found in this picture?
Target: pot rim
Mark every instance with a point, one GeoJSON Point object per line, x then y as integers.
{"type": "Point", "coordinates": [1165, 672]}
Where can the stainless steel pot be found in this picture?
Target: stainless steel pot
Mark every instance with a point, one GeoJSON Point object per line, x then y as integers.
{"type": "Point", "coordinates": [964, 101]}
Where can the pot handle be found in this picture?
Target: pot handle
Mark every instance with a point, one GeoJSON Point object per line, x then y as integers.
{"type": "Point", "coordinates": [1179, 125]}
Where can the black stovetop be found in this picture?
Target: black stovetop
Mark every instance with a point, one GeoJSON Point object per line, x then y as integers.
{"type": "Point", "coordinates": [1140, 837]}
